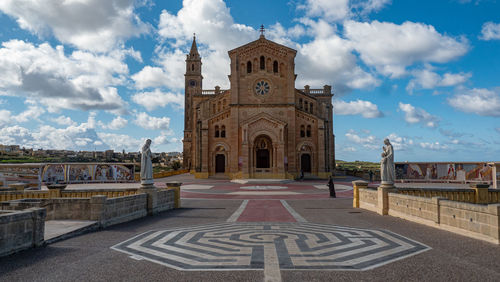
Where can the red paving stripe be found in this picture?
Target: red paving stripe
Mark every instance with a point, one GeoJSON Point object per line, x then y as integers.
{"type": "Point", "coordinates": [197, 195]}
{"type": "Point", "coordinates": [265, 211]}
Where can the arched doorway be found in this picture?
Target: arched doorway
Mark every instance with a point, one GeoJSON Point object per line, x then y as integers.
{"type": "Point", "coordinates": [305, 163]}
{"type": "Point", "coordinates": [263, 152]}
{"type": "Point", "coordinates": [220, 163]}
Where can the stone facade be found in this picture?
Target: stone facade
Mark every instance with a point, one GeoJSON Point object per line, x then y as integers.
{"type": "Point", "coordinates": [262, 127]}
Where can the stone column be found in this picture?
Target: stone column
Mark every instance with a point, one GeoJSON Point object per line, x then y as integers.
{"type": "Point", "coordinates": [152, 199]}
{"type": "Point", "coordinates": [358, 184]}
{"type": "Point", "coordinates": [176, 186]}
{"type": "Point", "coordinates": [97, 208]}
{"type": "Point", "coordinates": [383, 198]}
{"type": "Point", "coordinates": [38, 215]}
{"type": "Point", "coordinates": [480, 193]}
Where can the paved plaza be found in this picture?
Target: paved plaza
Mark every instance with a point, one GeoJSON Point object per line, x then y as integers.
{"type": "Point", "coordinates": [260, 231]}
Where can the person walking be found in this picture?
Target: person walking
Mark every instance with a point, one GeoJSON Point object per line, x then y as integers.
{"type": "Point", "coordinates": [371, 175]}
{"type": "Point", "coordinates": [331, 187]}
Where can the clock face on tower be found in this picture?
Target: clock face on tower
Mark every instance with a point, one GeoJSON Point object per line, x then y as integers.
{"type": "Point", "coordinates": [192, 83]}
{"type": "Point", "coordinates": [262, 87]}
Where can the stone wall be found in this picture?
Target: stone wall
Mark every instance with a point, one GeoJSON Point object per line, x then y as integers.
{"type": "Point", "coordinates": [21, 230]}
{"type": "Point", "coordinates": [425, 209]}
{"type": "Point", "coordinates": [165, 200]}
{"type": "Point", "coordinates": [121, 209]}
{"type": "Point", "coordinates": [368, 199]}
{"type": "Point", "coordinates": [479, 221]}
{"type": "Point", "coordinates": [68, 208]}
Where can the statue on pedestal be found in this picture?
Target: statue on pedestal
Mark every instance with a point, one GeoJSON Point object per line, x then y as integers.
{"type": "Point", "coordinates": [387, 170]}
{"type": "Point", "coordinates": [146, 164]}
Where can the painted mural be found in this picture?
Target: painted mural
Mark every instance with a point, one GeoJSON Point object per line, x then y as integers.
{"type": "Point", "coordinates": [87, 173]}
{"type": "Point", "coordinates": [445, 171]}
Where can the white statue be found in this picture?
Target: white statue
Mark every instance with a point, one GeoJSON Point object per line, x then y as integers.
{"type": "Point", "coordinates": [387, 170]}
{"type": "Point", "coordinates": [146, 164]}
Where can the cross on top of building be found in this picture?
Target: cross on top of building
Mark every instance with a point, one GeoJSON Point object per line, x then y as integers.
{"type": "Point", "coordinates": [262, 30]}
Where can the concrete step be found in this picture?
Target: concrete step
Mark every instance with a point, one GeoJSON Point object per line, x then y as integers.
{"type": "Point", "coordinates": [57, 230]}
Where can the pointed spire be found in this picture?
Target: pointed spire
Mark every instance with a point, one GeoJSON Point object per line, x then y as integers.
{"type": "Point", "coordinates": [194, 48]}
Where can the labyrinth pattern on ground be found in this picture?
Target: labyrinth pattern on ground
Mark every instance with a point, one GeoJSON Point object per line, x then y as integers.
{"type": "Point", "coordinates": [245, 246]}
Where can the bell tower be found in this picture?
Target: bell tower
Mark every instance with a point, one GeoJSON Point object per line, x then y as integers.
{"type": "Point", "coordinates": [193, 85]}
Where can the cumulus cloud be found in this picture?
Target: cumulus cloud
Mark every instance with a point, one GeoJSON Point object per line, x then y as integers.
{"type": "Point", "coordinates": [63, 120]}
{"type": "Point", "coordinates": [391, 48]}
{"type": "Point", "coordinates": [87, 24]}
{"type": "Point", "coordinates": [31, 114]}
{"type": "Point", "coordinates": [81, 80]}
{"type": "Point", "coordinates": [152, 123]}
{"type": "Point", "coordinates": [364, 139]}
{"type": "Point", "coordinates": [120, 142]}
{"type": "Point", "coordinates": [117, 123]}
{"type": "Point", "coordinates": [418, 115]}
{"type": "Point", "coordinates": [151, 77]}
{"type": "Point", "coordinates": [338, 10]}
{"type": "Point", "coordinates": [157, 98]}
{"type": "Point", "coordinates": [399, 142]}
{"type": "Point", "coordinates": [479, 101]}
{"type": "Point", "coordinates": [428, 79]}
{"type": "Point", "coordinates": [436, 146]}
{"type": "Point", "coordinates": [359, 107]}
{"type": "Point", "coordinates": [490, 31]}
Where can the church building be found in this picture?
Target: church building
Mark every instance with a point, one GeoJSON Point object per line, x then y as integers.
{"type": "Point", "coordinates": [262, 127]}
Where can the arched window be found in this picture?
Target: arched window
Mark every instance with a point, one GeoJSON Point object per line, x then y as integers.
{"type": "Point", "coordinates": [305, 106]}
{"type": "Point", "coordinates": [308, 132]}
{"type": "Point", "coordinates": [249, 67]}
{"type": "Point", "coordinates": [192, 67]}
{"type": "Point", "coordinates": [218, 106]}
{"type": "Point", "coordinates": [223, 131]}
{"type": "Point", "coordinates": [300, 103]}
{"type": "Point", "coordinates": [311, 108]}
{"type": "Point", "coordinates": [216, 131]}
{"type": "Point", "coordinates": [275, 66]}
{"type": "Point", "coordinates": [262, 63]}
{"type": "Point", "coordinates": [302, 131]}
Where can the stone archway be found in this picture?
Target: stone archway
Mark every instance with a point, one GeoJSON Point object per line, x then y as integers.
{"type": "Point", "coordinates": [220, 163]}
{"type": "Point", "coordinates": [305, 163]}
{"type": "Point", "coordinates": [263, 154]}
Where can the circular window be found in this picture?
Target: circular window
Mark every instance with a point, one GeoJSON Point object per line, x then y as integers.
{"type": "Point", "coordinates": [262, 87]}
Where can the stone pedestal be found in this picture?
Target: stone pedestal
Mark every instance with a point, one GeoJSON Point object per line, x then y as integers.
{"type": "Point", "coordinates": [358, 184]}
{"type": "Point", "coordinates": [152, 193]}
{"type": "Point", "coordinates": [383, 197]}
{"type": "Point", "coordinates": [481, 193]}
{"type": "Point", "coordinates": [176, 186]}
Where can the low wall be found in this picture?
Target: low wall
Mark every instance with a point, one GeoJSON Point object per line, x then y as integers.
{"type": "Point", "coordinates": [166, 200]}
{"type": "Point", "coordinates": [21, 230]}
{"type": "Point", "coordinates": [479, 221]}
{"type": "Point", "coordinates": [368, 199]}
{"type": "Point", "coordinates": [118, 210]}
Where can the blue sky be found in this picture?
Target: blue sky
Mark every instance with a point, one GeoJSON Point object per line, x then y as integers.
{"type": "Point", "coordinates": [91, 74]}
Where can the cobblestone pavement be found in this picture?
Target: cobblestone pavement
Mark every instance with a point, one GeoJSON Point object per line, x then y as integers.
{"type": "Point", "coordinates": [220, 234]}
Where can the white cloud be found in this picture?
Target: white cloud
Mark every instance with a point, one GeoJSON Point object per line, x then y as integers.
{"type": "Point", "coordinates": [390, 47]}
{"type": "Point", "coordinates": [436, 146]}
{"type": "Point", "coordinates": [63, 120]}
{"type": "Point", "coordinates": [364, 108]}
{"type": "Point", "coordinates": [418, 115]}
{"type": "Point", "coordinates": [479, 101]}
{"type": "Point", "coordinates": [119, 142]}
{"type": "Point", "coordinates": [338, 10]}
{"type": "Point", "coordinates": [117, 123]}
{"type": "Point", "coordinates": [400, 143]}
{"type": "Point", "coordinates": [150, 77]}
{"type": "Point", "coordinates": [81, 80]}
{"type": "Point", "coordinates": [332, 10]}
{"type": "Point", "coordinates": [490, 31]}
{"type": "Point", "coordinates": [87, 24]}
{"type": "Point", "coordinates": [152, 123]}
{"type": "Point", "coordinates": [157, 98]}
{"type": "Point", "coordinates": [29, 115]}
{"type": "Point", "coordinates": [427, 79]}
{"type": "Point", "coordinates": [368, 141]}
{"type": "Point", "coordinates": [349, 149]}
